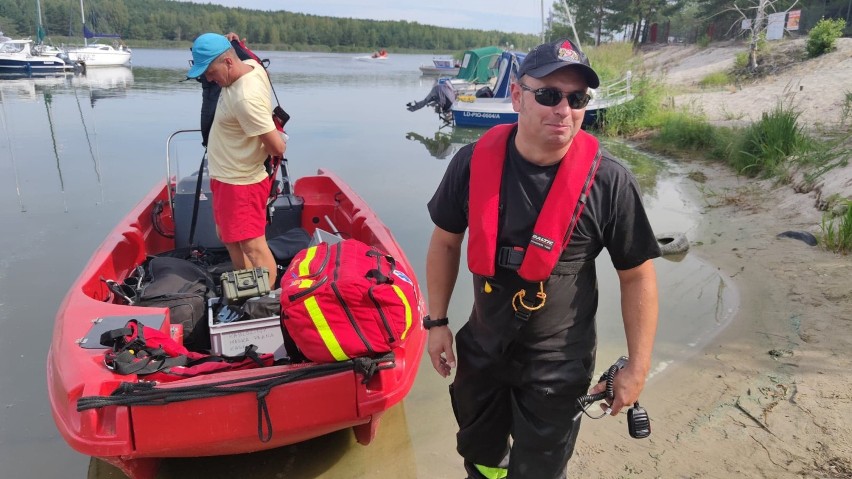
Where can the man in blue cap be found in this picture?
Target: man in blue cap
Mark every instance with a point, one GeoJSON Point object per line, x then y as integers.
{"type": "Point", "coordinates": [539, 201]}
{"type": "Point", "coordinates": [243, 135]}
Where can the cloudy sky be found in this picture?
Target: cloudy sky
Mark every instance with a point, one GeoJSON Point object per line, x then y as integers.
{"type": "Point", "coordinates": [522, 16]}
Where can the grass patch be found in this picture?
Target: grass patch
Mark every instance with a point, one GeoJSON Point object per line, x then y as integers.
{"type": "Point", "coordinates": [716, 79]}
{"type": "Point", "coordinates": [741, 61]}
{"type": "Point", "coordinates": [640, 114]}
{"type": "Point", "coordinates": [611, 61]}
{"type": "Point", "coordinates": [847, 109]}
{"type": "Point", "coordinates": [683, 132]}
{"type": "Point", "coordinates": [763, 147]}
{"type": "Point", "coordinates": [837, 231]}
{"type": "Point", "coordinates": [772, 147]}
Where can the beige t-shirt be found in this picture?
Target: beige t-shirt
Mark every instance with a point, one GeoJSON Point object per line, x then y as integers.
{"type": "Point", "coordinates": [244, 112]}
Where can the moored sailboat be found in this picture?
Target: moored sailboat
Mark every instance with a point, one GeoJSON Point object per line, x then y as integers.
{"type": "Point", "coordinates": [99, 54]}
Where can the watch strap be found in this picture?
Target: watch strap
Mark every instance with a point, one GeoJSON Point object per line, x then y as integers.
{"type": "Point", "coordinates": [429, 323]}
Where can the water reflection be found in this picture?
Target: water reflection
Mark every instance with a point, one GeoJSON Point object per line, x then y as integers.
{"type": "Point", "coordinates": [48, 99]}
{"type": "Point", "coordinates": [647, 168]}
{"type": "Point", "coordinates": [104, 82]}
{"type": "Point", "coordinates": [100, 82]}
{"type": "Point", "coordinates": [445, 143]}
{"type": "Point", "coordinates": [439, 146]}
{"type": "Point", "coordinates": [27, 89]}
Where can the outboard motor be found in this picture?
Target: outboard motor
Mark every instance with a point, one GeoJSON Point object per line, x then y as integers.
{"type": "Point", "coordinates": [441, 96]}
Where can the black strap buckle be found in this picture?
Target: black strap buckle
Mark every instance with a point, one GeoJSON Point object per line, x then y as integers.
{"type": "Point", "coordinates": [510, 257]}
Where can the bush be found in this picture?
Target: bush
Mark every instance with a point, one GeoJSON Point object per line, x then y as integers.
{"type": "Point", "coordinates": [823, 36]}
{"type": "Point", "coordinates": [765, 145]}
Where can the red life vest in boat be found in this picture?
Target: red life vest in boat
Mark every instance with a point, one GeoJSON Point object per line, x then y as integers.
{"type": "Point", "coordinates": [554, 225]}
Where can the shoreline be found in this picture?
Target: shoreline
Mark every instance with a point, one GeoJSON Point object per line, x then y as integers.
{"type": "Point", "coordinates": [765, 396]}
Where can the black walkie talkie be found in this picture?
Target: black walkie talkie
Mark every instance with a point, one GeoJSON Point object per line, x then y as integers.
{"type": "Point", "coordinates": [638, 422]}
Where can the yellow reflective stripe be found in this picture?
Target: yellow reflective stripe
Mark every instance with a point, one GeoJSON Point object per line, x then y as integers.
{"type": "Point", "coordinates": [492, 472]}
{"type": "Point", "coordinates": [324, 330]}
{"type": "Point", "coordinates": [407, 309]}
{"type": "Point", "coordinates": [304, 265]}
{"type": "Point", "coordinates": [305, 283]}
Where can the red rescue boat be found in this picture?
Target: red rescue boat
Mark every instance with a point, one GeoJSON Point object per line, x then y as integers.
{"type": "Point", "coordinates": [301, 401]}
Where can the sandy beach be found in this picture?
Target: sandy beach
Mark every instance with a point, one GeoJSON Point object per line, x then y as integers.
{"type": "Point", "coordinates": [769, 396]}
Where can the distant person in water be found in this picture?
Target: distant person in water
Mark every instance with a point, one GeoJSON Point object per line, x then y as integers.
{"type": "Point", "coordinates": [241, 138]}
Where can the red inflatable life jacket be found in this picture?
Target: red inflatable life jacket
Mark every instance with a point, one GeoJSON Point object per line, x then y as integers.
{"type": "Point", "coordinates": [553, 227]}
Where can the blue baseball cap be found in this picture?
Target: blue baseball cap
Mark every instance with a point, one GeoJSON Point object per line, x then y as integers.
{"type": "Point", "coordinates": [206, 48]}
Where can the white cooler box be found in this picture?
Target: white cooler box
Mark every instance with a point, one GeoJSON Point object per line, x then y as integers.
{"type": "Point", "coordinates": [231, 339]}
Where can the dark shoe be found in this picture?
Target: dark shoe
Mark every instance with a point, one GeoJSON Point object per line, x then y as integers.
{"type": "Point", "coordinates": [472, 471]}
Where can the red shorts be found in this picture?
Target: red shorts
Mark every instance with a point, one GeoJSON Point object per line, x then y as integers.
{"type": "Point", "coordinates": [240, 210]}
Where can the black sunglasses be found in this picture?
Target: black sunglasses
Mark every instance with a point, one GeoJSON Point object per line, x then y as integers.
{"type": "Point", "coordinates": [552, 96]}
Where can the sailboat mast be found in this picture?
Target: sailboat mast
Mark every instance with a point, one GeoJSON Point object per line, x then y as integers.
{"type": "Point", "coordinates": [570, 22]}
{"type": "Point", "coordinates": [83, 19]}
{"type": "Point", "coordinates": [542, 22]}
{"type": "Point", "coordinates": [39, 28]}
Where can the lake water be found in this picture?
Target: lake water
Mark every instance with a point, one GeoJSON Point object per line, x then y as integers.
{"type": "Point", "coordinates": [77, 153]}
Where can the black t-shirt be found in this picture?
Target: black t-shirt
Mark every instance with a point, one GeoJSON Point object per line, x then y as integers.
{"type": "Point", "coordinates": [613, 218]}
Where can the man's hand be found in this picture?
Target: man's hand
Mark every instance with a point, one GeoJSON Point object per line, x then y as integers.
{"type": "Point", "coordinates": [440, 350]}
{"type": "Point", "coordinates": [231, 36]}
{"type": "Point", "coordinates": [626, 386]}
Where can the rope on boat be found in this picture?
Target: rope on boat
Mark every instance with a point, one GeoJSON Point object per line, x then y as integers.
{"type": "Point", "coordinates": [146, 393]}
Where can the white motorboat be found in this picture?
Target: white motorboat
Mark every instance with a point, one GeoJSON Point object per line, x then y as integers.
{"type": "Point", "coordinates": [441, 66]}
{"type": "Point", "coordinates": [18, 58]}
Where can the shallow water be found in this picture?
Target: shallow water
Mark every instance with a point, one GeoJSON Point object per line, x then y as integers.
{"type": "Point", "coordinates": [77, 153]}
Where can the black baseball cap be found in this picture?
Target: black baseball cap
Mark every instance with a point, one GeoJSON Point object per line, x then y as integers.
{"type": "Point", "coordinates": [549, 57]}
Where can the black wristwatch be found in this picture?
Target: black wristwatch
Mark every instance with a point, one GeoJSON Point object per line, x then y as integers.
{"type": "Point", "coordinates": [429, 323]}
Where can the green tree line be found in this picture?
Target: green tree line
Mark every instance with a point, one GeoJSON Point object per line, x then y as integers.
{"type": "Point", "coordinates": [169, 20]}
{"type": "Point", "coordinates": [600, 21]}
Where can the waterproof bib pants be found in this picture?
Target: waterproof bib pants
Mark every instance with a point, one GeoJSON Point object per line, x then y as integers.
{"type": "Point", "coordinates": [533, 401]}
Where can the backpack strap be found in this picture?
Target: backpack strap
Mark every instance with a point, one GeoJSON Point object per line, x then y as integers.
{"type": "Point", "coordinates": [141, 362]}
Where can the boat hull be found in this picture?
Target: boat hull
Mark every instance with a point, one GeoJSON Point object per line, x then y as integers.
{"type": "Point", "coordinates": [488, 112]}
{"type": "Point", "coordinates": [436, 71]}
{"type": "Point", "coordinates": [96, 58]}
{"type": "Point", "coordinates": [134, 438]}
{"type": "Point", "coordinates": [33, 67]}
{"type": "Point", "coordinates": [484, 112]}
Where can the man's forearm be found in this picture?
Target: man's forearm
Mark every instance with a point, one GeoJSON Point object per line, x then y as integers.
{"type": "Point", "coordinates": [442, 268]}
{"type": "Point", "coordinates": [639, 309]}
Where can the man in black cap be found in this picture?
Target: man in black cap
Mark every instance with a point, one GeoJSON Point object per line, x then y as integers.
{"type": "Point", "coordinates": [540, 199]}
